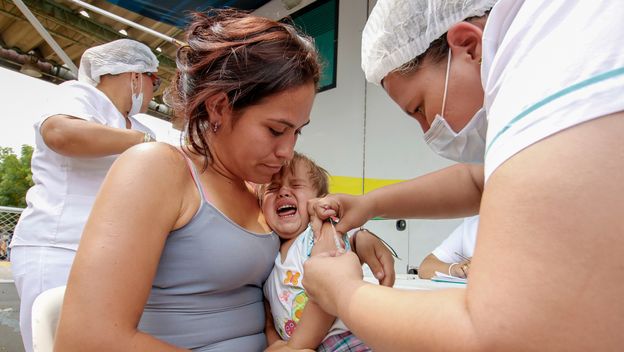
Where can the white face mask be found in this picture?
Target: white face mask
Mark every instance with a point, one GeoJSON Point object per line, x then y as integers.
{"type": "Point", "coordinates": [467, 145]}
{"type": "Point", "coordinates": [137, 100]}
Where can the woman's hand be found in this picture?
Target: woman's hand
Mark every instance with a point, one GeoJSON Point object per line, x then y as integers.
{"type": "Point", "coordinates": [327, 274]}
{"type": "Point", "coordinates": [282, 346]}
{"type": "Point", "coordinates": [376, 255]}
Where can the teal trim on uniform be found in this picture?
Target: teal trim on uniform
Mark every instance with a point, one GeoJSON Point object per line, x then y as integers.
{"type": "Point", "coordinates": [599, 78]}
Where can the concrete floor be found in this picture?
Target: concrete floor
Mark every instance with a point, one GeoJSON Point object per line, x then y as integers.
{"type": "Point", "coordinates": [10, 338]}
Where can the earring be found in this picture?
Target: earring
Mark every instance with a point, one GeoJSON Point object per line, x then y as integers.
{"type": "Point", "coordinates": [215, 127]}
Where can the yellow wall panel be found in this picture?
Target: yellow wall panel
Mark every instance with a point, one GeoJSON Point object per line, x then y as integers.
{"type": "Point", "coordinates": [353, 185]}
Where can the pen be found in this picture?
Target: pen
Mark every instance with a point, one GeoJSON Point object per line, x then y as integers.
{"type": "Point", "coordinates": [463, 257]}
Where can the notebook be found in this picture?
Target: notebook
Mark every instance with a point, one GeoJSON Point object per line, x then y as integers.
{"type": "Point", "coordinates": [441, 277]}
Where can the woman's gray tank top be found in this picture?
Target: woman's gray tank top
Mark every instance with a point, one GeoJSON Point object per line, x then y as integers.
{"type": "Point", "coordinates": [207, 293]}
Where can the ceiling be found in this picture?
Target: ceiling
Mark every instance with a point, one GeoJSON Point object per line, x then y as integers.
{"type": "Point", "coordinates": [174, 11]}
{"type": "Point", "coordinates": [74, 33]}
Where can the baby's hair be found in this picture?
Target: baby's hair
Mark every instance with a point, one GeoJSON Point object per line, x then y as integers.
{"type": "Point", "coordinates": [319, 177]}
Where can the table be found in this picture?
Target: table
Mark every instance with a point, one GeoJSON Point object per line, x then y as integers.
{"type": "Point", "coordinates": [413, 282]}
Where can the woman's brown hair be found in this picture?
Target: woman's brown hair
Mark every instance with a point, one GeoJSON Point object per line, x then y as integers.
{"type": "Point", "coordinates": [246, 57]}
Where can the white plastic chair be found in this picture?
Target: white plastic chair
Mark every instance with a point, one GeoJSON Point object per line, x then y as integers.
{"type": "Point", "coordinates": [45, 315]}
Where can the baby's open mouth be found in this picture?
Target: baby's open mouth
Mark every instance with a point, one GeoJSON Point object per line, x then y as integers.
{"type": "Point", "coordinates": [287, 210]}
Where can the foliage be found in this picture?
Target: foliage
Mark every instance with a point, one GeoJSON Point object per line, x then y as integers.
{"type": "Point", "coordinates": [15, 176]}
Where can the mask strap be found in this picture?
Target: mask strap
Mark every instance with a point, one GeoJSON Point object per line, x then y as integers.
{"type": "Point", "coordinates": [140, 85]}
{"type": "Point", "coordinates": [446, 80]}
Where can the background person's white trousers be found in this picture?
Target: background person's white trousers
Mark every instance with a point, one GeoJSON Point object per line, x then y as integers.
{"type": "Point", "coordinates": [36, 269]}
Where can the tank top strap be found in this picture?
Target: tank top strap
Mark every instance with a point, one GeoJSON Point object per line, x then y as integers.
{"type": "Point", "coordinates": [195, 175]}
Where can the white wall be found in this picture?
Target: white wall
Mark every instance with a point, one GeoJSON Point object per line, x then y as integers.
{"type": "Point", "coordinates": [334, 137]}
{"type": "Point", "coordinates": [394, 145]}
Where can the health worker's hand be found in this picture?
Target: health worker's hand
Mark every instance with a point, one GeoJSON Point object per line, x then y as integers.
{"type": "Point", "coordinates": [461, 269]}
{"type": "Point", "coordinates": [353, 211]}
{"type": "Point", "coordinates": [328, 276]}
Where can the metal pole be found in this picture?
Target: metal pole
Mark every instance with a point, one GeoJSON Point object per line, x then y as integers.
{"type": "Point", "coordinates": [48, 38]}
{"type": "Point", "coordinates": [129, 23]}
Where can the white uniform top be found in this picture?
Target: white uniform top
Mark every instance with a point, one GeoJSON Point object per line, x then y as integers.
{"type": "Point", "coordinates": [547, 66]}
{"type": "Point", "coordinates": [462, 240]}
{"type": "Point", "coordinates": [64, 190]}
{"type": "Point", "coordinates": [284, 291]}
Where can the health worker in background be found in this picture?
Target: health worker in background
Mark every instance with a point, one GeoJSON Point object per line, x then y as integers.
{"type": "Point", "coordinates": [550, 75]}
{"type": "Point", "coordinates": [87, 124]}
{"type": "Point", "coordinates": [453, 255]}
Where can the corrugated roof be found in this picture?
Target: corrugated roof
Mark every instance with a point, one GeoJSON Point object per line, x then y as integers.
{"type": "Point", "coordinates": [75, 33]}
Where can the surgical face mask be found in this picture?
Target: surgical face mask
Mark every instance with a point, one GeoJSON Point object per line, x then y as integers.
{"type": "Point", "coordinates": [137, 99]}
{"type": "Point", "coordinates": [467, 145]}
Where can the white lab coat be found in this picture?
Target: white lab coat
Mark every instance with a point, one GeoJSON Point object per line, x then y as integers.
{"type": "Point", "coordinates": [47, 235]}
{"type": "Point", "coordinates": [548, 66]}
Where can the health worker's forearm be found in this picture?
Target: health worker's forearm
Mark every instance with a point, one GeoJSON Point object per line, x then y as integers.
{"type": "Point", "coordinates": [451, 192]}
{"type": "Point", "coordinates": [79, 138]}
{"type": "Point", "coordinates": [430, 265]}
{"type": "Point", "coordinates": [433, 321]}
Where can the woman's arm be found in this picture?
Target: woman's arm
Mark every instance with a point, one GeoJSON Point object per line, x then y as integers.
{"type": "Point", "coordinates": [269, 326]}
{"type": "Point", "coordinates": [553, 206]}
{"type": "Point", "coordinates": [139, 203]}
{"type": "Point", "coordinates": [75, 137]}
{"type": "Point", "coordinates": [376, 255]}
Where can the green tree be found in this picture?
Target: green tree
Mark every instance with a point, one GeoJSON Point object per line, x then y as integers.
{"type": "Point", "coordinates": [15, 176]}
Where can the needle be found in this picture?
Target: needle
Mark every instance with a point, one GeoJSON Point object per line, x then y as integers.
{"type": "Point", "coordinates": [336, 237]}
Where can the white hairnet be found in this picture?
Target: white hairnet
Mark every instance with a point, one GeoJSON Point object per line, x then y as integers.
{"type": "Point", "coordinates": [397, 31]}
{"type": "Point", "coordinates": [119, 56]}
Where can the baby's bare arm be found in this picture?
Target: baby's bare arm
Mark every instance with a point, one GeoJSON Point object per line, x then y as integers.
{"type": "Point", "coordinates": [327, 242]}
{"type": "Point", "coordinates": [315, 323]}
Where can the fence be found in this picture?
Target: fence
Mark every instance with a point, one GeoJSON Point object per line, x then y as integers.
{"type": "Point", "coordinates": [8, 220]}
